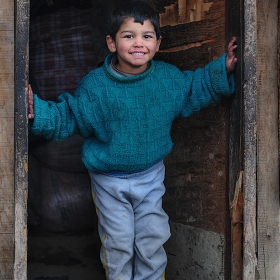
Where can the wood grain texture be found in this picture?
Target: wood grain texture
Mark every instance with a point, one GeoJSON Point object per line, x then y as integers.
{"type": "Point", "coordinates": [21, 137]}
{"type": "Point", "coordinates": [250, 141]}
{"type": "Point", "coordinates": [7, 140]}
{"type": "Point", "coordinates": [267, 142]}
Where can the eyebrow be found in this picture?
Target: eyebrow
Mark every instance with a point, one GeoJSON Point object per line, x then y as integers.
{"type": "Point", "coordinates": [130, 31]}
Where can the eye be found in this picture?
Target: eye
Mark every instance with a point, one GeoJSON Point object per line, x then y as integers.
{"type": "Point", "coordinates": [128, 36]}
{"type": "Point", "coordinates": [147, 36]}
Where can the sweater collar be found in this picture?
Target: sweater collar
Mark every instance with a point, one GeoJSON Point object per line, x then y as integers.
{"type": "Point", "coordinates": [128, 79]}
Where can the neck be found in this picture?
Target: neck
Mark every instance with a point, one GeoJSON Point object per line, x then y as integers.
{"type": "Point", "coordinates": [133, 71]}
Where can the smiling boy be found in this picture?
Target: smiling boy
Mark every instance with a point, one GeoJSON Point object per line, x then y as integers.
{"type": "Point", "coordinates": [125, 110]}
{"type": "Point", "coordinates": [135, 45]}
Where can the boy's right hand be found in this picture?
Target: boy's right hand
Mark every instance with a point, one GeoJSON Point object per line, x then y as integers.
{"type": "Point", "coordinates": [30, 103]}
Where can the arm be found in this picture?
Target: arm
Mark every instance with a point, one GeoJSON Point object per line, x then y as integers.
{"type": "Point", "coordinates": [54, 120]}
{"type": "Point", "coordinates": [207, 85]}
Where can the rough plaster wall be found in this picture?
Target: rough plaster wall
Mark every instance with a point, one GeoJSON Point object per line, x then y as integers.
{"type": "Point", "coordinates": [198, 255]}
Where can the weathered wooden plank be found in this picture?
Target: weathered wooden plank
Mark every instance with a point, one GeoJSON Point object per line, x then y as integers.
{"type": "Point", "coordinates": [267, 138]}
{"type": "Point", "coordinates": [6, 139]}
{"type": "Point", "coordinates": [194, 42]}
{"type": "Point", "coordinates": [250, 140]}
{"type": "Point", "coordinates": [234, 255]}
{"type": "Point", "coordinates": [21, 136]}
{"type": "Point", "coordinates": [6, 253]}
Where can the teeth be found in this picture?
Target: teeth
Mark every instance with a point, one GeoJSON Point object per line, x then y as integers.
{"type": "Point", "coordinates": [138, 54]}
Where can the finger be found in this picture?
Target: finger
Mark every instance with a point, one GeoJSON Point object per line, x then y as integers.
{"type": "Point", "coordinates": [233, 39]}
{"type": "Point", "coordinates": [232, 42]}
{"type": "Point", "coordinates": [29, 90]}
{"type": "Point", "coordinates": [232, 49]}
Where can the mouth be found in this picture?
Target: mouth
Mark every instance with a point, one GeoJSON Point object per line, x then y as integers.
{"type": "Point", "coordinates": [138, 54]}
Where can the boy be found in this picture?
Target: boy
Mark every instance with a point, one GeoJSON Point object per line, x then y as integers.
{"type": "Point", "coordinates": [125, 110]}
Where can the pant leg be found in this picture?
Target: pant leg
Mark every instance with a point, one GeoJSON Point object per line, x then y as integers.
{"type": "Point", "coordinates": [151, 225]}
{"type": "Point", "coordinates": [115, 225]}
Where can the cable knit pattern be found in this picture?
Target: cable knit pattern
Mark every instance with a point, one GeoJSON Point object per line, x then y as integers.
{"type": "Point", "coordinates": [126, 121]}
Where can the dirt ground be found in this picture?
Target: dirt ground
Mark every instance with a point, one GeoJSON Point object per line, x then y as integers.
{"type": "Point", "coordinates": [64, 257]}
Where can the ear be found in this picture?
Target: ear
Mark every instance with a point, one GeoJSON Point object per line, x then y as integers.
{"type": "Point", "coordinates": [111, 43]}
{"type": "Point", "coordinates": [158, 43]}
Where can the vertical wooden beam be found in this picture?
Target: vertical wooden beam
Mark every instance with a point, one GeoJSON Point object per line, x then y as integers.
{"type": "Point", "coordinates": [261, 167]}
{"type": "Point", "coordinates": [234, 256]}
{"type": "Point", "coordinates": [6, 139]}
{"type": "Point", "coordinates": [250, 140]}
{"type": "Point", "coordinates": [21, 136]}
{"type": "Point", "coordinates": [267, 142]}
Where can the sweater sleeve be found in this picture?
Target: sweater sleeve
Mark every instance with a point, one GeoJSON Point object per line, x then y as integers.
{"type": "Point", "coordinates": [57, 120]}
{"type": "Point", "coordinates": [206, 86]}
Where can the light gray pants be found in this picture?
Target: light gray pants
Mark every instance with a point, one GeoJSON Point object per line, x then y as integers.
{"type": "Point", "coordinates": [132, 224]}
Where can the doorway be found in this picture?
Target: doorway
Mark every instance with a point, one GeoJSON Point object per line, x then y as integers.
{"type": "Point", "coordinates": [196, 198]}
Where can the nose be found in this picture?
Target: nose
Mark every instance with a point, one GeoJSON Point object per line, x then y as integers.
{"type": "Point", "coordinates": [138, 42]}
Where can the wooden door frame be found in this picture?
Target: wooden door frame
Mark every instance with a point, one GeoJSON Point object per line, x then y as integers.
{"type": "Point", "coordinates": [261, 163]}
{"type": "Point", "coordinates": [250, 140]}
{"type": "Point", "coordinates": [247, 150]}
{"type": "Point", "coordinates": [235, 27]}
{"type": "Point", "coordinates": [254, 168]}
{"type": "Point", "coordinates": [21, 137]}
{"type": "Point", "coordinates": [267, 142]}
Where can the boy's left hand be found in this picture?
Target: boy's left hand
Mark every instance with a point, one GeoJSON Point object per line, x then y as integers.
{"type": "Point", "coordinates": [231, 59]}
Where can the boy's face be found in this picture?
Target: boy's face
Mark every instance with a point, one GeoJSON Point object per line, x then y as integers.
{"type": "Point", "coordinates": [135, 44]}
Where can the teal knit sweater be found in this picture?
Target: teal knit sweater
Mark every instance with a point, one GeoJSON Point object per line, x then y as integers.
{"type": "Point", "coordinates": [126, 121]}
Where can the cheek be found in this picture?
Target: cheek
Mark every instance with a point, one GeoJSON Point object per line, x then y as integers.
{"type": "Point", "coordinates": [123, 48]}
{"type": "Point", "coordinates": [154, 48]}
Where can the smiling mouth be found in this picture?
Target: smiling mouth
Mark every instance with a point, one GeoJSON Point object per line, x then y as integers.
{"type": "Point", "coordinates": [138, 54]}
